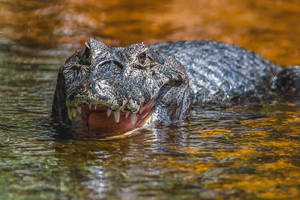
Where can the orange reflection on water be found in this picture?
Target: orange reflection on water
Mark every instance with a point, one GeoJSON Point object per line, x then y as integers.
{"type": "Point", "coordinates": [269, 147]}
{"type": "Point", "coordinates": [264, 187]}
{"type": "Point", "coordinates": [271, 28]}
{"type": "Point", "coordinates": [214, 132]}
{"type": "Point", "coordinates": [191, 168]}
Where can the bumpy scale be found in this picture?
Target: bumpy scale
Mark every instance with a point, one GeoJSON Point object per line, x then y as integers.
{"type": "Point", "coordinates": [112, 90]}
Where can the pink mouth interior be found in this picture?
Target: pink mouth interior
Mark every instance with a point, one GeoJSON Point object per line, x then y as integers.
{"type": "Point", "coordinates": [98, 121]}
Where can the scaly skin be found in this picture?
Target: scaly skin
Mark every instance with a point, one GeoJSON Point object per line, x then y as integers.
{"type": "Point", "coordinates": [130, 85]}
{"type": "Point", "coordinates": [111, 90]}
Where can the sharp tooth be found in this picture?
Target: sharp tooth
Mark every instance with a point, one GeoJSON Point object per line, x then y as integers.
{"type": "Point", "coordinates": [90, 107]}
{"type": "Point", "coordinates": [108, 112]}
{"type": "Point", "coordinates": [132, 118]}
{"type": "Point", "coordinates": [142, 108]}
{"type": "Point", "coordinates": [117, 116]}
{"type": "Point", "coordinates": [95, 107]}
{"type": "Point", "coordinates": [74, 113]}
{"type": "Point", "coordinates": [69, 114]}
{"type": "Point", "coordinates": [127, 114]}
{"type": "Point", "coordinates": [79, 110]}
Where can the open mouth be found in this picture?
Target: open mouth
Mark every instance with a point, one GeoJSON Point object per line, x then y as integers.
{"type": "Point", "coordinates": [104, 121]}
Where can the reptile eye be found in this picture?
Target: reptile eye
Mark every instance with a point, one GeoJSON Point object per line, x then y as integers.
{"type": "Point", "coordinates": [118, 64]}
{"type": "Point", "coordinates": [142, 57]}
{"type": "Point", "coordinates": [115, 62]}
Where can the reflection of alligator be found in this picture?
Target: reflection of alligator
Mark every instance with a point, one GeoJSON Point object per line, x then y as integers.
{"type": "Point", "coordinates": [158, 83]}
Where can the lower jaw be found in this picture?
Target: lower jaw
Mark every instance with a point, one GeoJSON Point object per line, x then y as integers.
{"type": "Point", "coordinates": [96, 121]}
{"type": "Point", "coordinates": [97, 125]}
{"type": "Point", "coordinates": [102, 124]}
{"type": "Point", "coordinates": [120, 132]}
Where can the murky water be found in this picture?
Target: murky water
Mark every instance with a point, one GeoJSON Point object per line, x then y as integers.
{"type": "Point", "coordinates": [237, 153]}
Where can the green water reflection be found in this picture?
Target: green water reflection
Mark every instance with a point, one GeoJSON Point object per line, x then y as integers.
{"type": "Point", "coordinates": [238, 153]}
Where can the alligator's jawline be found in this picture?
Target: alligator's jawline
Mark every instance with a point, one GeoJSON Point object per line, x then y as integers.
{"type": "Point", "coordinates": [97, 120]}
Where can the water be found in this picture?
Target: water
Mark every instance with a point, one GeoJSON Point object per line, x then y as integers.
{"type": "Point", "coordinates": [236, 153]}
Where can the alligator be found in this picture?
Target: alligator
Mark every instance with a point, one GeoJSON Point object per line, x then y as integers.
{"type": "Point", "coordinates": [114, 90]}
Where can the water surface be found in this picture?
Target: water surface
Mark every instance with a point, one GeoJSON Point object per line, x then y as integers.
{"type": "Point", "coordinates": [236, 153]}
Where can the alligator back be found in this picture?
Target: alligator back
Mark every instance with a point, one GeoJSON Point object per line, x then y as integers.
{"type": "Point", "coordinates": [222, 74]}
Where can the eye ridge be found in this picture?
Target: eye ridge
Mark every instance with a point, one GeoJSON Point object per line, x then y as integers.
{"type": "Point", "coordinates": [115, 62]}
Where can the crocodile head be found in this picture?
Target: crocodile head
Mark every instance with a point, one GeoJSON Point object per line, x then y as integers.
{"type": "Point", "coordinates": [112, 90]}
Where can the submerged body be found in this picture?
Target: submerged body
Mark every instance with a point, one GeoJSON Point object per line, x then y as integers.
{"type": "Point", "coordinates": [112, 90]}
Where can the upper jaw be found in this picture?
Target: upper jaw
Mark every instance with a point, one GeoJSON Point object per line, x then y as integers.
{"type": "Point", "coordinates": [84, 108]}
{"type": "Point", "coordinates": [114, 104]}
{"type": "Point", "coordinates": [101, 121]}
